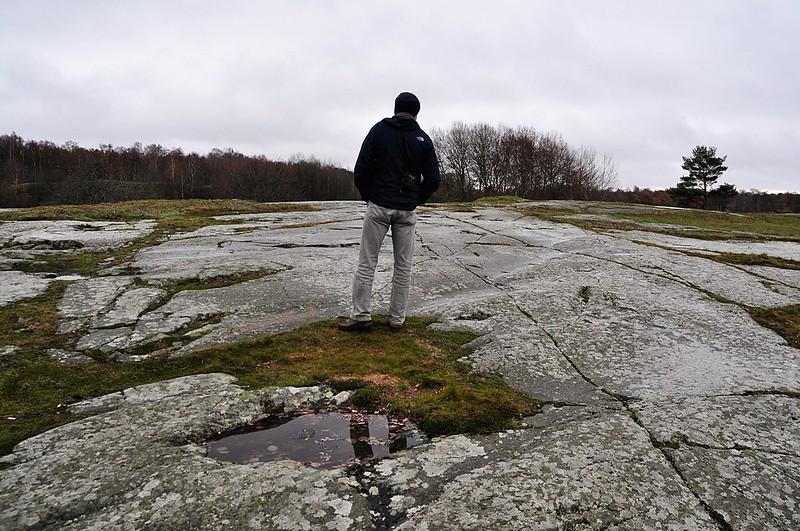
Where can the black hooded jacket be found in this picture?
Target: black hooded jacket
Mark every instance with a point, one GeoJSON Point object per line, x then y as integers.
{"type": "Point", "coordinates": [397, 166]}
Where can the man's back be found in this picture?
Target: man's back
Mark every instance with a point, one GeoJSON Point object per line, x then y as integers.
{"type": "Point", "coordinates": [397, 166]}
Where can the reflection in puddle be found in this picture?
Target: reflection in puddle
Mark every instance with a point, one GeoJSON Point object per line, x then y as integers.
{"type": "Point", "coordinates": [318, 439]}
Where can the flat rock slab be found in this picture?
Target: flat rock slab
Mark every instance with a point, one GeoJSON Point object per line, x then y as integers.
{"type": "Point", "coordinates": [17, 285]}
{"type": "Point", "coordinates": [740, 453]}
{"type": "Point", "coordinates": [667, 406]}
{"type": "Point", "coordinates": [64, 235]}
{"type": "Point", "coordinates": [575, 469]}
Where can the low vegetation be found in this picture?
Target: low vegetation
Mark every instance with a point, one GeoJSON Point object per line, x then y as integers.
{"type": "Point", "coordinates": [754, 260]}
{"type": "Point", "coordinates": [414, 373]}
{"type": "Point", "coordinates": [585, 293]}
{"type": "Point", "coordinates": [173, 286]}
{"type": "Point", "coordinates": [499, 200]}
{"type": "Point", "coordinates": [730, 226]}
{"type": "Point", "coordinates": [170, 216]}
{"type": "Point", "coordinates": [784, 320]}
{"type": "Point", "coordinates": [30, 325]}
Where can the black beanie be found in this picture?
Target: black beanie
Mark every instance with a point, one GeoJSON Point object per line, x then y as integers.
{"type": "Point", "coordinates": [406, 102]}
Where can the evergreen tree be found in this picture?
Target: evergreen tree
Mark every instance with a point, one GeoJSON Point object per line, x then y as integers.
{"type": "Point", "coordinates": [704, 167]}
{"type": "Point", "coordinates": [722, 195]}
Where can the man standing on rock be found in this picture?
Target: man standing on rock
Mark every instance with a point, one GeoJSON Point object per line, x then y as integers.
{"type": "Point", "coordinates": [396, 171]}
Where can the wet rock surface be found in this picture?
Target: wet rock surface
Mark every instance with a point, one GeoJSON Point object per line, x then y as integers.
{"type": "Point", "coordinates": [666, 405]}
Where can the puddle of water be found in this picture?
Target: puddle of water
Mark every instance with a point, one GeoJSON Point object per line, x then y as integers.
{"type": "Point", "coordinates": [66, 276]}
{"type": "Point", "coordinates": [319, 439]}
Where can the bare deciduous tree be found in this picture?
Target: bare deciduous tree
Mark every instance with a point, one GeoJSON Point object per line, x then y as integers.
{"type": "Point", "coordinates": [486, 160]}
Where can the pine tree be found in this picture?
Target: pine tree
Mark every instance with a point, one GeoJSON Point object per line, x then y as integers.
{"type": "Point", "coordinates": [704, 167]}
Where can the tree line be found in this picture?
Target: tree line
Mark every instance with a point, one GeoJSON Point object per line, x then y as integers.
{"type": "Point", "coordinates": [484, 160]}
{"type": "Point", "coordinates": [477, 160]}
{"type": "Point", "coordinates": [745, 201]}
{"type": "Point", "coordinates": [40, 172]}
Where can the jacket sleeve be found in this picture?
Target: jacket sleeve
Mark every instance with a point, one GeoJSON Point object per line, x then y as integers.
{"type": "Point", "coordinates": [431, 178]}
{"type": "Point", "coordinates": [367, 167]}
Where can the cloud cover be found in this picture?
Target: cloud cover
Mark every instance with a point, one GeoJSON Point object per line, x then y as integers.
{"type": "Point", "coordinates": [643, 81]}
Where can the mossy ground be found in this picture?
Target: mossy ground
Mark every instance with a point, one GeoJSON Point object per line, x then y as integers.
{"type": "Point", "coordinates": [161, 210]}
{"type": "Point", "coordinates": [752, 226]}
{"type": "Point", "coordinates": [784, 320]}
{"type": "Point", "coordinates": [755, 260]}
{"type": "Point", "coordinates": [415, 372]}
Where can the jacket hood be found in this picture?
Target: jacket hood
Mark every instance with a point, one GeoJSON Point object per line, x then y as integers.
{"type": "Point", "coordinates": [402, 123]}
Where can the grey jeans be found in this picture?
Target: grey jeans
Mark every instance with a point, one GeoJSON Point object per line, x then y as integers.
{"type": "Point", "coordinates": [377, 221]}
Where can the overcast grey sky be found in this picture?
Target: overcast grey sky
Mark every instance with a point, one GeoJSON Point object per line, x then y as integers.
{"type": "Point", "coordinates": [641, 80]}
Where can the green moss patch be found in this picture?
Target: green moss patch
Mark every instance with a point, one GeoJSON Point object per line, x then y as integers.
{"type": "Point", "coordinates": [767, 224]}
{"type": "Point", "coordinates": [499, 200]}
{"type": "Point", "coordinates": [415, 372]}
{"type": "Point", "coordinates": [162, 209]}
{"type": "Point", "coordinates": [725, 225]}
{"type": "Point", "coordinates": [31, 324]}
{"type": "Point", "coordinates": [755, 260]}
{"type": "Point", "coordinates": [784, 320]}
{"type": "Point", "coordinates": [71, 263]}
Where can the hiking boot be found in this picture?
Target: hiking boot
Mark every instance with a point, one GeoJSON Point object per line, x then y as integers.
{"type": "Point", "coordinates": [348, 325]}
{"type": "Point", "coordinates": [395, 327]}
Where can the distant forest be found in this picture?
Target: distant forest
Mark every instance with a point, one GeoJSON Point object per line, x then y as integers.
{"type": "Point", "coordinates": [751, 201]}
{"type": "Point", "coordinates": [477, 160]}
{"type": "Point", "coordinates": [40, 173]}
